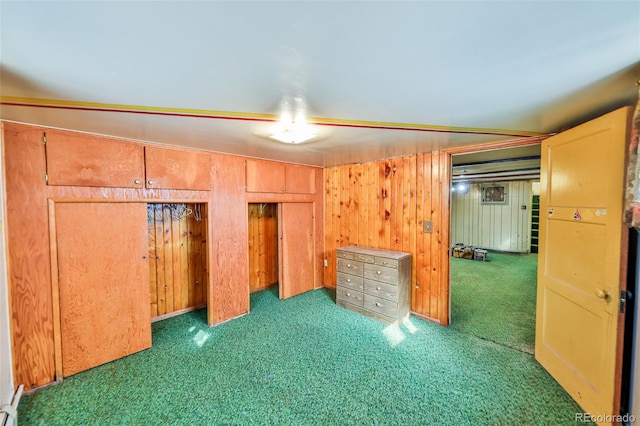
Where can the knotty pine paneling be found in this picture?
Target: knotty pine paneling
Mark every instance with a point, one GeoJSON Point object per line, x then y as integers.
{"type": "Point", "coordinates": [382, 204]}
{"type": "Point", "coordinates": [503, 227]}
{"type": "Point", "coordinates": [263, 245]}
{"type": "Point", "coordinates": [177, 256]}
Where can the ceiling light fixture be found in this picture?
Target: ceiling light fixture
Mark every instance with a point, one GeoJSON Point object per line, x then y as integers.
{"type": "Point", "coordinates": [292, 126]}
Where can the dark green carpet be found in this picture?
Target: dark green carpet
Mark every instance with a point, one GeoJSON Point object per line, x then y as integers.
{"type": "Point", "coordinates": [496, 300]}
{"type": "Point", "coordinates": [306, 361]}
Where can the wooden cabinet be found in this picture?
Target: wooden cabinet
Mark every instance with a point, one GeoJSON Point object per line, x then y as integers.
{"type": "Point", "coordinates": [103, 282]}
{"type": "Point", "coordinates": [374, 282]}
{"type": "Point", "coordinates": [270, 176]}
{"type": "Point", "coordinates": [169, 168]}
{"type": "Point", "coordinates": [85, 161]}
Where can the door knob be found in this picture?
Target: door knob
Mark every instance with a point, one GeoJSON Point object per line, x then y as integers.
{"type": "Point", "coordinates": [601, 294]}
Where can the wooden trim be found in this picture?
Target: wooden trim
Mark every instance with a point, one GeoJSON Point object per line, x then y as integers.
{"type": "Point", "coordinates": [177, 313]}
{"type": "Point", "coordinates": [491, 146]}
{"type": "Point", "coordinates": [55, 293]}
{"type": "Point", "coordinates": [135, 200]}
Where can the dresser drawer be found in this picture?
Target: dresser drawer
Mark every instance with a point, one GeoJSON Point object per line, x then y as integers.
{"type": "Point", "coordinates": [383, 261]}
{"type": "Point", "coordinates": [350, 296]}
{"type": "Point", "coordinates": [364, 258]}
{"type": "Point", "coordinates": [345, 255]}
{"type": "Point", "coordinates": [381, 273]}
{"type": "Point", "coordinates": [351, 267]}
{"type": "Point", "coordinates": [350, 281]}
{"type": "Point", "coordinates": [382, 290]}
{"type": "Point", "coordinates": [381, 306]}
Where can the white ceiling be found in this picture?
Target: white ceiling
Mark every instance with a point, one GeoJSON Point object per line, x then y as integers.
{"type": "Point", "coordinates": [505, 68]}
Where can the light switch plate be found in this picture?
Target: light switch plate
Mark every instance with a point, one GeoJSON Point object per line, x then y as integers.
{"type": "Point", "coordinates": [427, 226]}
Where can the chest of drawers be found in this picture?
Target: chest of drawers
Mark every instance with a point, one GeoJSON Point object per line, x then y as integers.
{"type": "Point", "coordinates": [374, 282]}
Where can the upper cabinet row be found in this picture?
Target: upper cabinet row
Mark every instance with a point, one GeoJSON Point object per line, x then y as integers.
{"type": "Point", "coordinates": [83, 161]}
{"type": "Point", "coordinates": [268, 176]}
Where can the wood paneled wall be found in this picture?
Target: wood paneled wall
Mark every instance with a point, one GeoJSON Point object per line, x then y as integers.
{"type": "Point", "coordinates": [383, 204]}
{"type": "Point", "coordinates": [263, 245]}
{"type": "Point", "coordinates": [178, 272]}
{"type": "Point", "coordinates": [503, 227]}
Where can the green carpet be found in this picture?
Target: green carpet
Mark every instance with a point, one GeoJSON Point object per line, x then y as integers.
{"type": "Point", "coordinates": [306, 361]}
{"type": "Point", "coordinates": [496, 300]}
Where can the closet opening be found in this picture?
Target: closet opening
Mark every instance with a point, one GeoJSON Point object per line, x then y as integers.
{"type": "Point", "coordinates": [178, 258]}
{"type": "Point", "coordinates": [263, 247]}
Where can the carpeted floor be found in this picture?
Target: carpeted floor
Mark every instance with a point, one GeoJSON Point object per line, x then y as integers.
{"type": "Point", "coordinates": [496, 300]}
{"type": "Point", "coordinates": [306, 361]}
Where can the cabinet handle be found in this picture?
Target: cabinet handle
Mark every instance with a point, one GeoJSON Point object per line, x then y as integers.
{"type": "Point", "coordinates": [151, 182]}
{"type": "Point", "coordinates": [378, 288]}
{"type": "Point", "coordinates": [378, 272]}
{"type": "Point", "coordinates": [137, 181]}
{"type": "Point", "coordinates": [348, 265]}
{"type": "Point", "coordinates": [348, 280]}
{"type": "Point", "coordinates": [282, 189]}
{"type": "Point", "coordinates": [378, 304]}
{"type": "Point", "coordinates": [349, 294]}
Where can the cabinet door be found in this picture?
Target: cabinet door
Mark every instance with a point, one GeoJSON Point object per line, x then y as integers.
{"type": "Point", "coordinates": [83, 161]}
{"type": "Point", "coordinates": [103, 281]}
{"type": "Point", "coordinates": [296, 249]}
{"type": "Point", "coordinates": [265, 176]}
{"type": "Point", "coordinates": [168, 168]}
{"type": "Point", "coordinates": [300, 179]}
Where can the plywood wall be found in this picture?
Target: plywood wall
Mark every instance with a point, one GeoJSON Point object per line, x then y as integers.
{"type": "Point", "coordinates": [177, 256]}
{"type": "Point", "coordinates": [505, 227]}
{"type": "Point", "coordinates": [263, 245]}
{"type": "Point", "coordinates": [383, 204]}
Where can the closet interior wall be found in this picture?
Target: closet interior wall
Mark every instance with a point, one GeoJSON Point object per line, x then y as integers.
{"type": "Point", "coordinates": [178, 272]}
{"type": "Point", "coordinates": [263, 245]}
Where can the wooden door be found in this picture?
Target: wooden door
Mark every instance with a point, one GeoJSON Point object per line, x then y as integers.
{"type": "Point", "coordinates": [579, 271]}
{"type": "Point", "coordinates": [103, 281]}
{"type": "Point", "coordinates": [85, 161]}
{"type": "Point", "coordinates": [168, 168]}
{"type": "Point", "coordinates": [296, 249]}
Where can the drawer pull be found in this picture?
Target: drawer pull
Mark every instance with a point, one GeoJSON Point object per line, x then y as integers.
{"type": "Point", "coordinates": [137, 181]}
{"type": "Point", "coordinates": [348, 265]}
{"type": "Point", "coordinates": [348, 280]}
{"type": "Point", "coordinates": [348, 294]}
{"type": "Point", "coordinates": [378, 288]}
{"type": "Point", "coordinates": [378, 272]}
{"type": "Point", "coordinates": [378, 304]}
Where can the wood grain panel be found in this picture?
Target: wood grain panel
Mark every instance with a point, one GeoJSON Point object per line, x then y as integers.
{"type": "Point", "coordinates": [86, 161]}
{"type": "Point", "coordinates": [228, 295]}
{"type": "Point", "coordinates": [299, 179]}
{"type": "Point", "coordinates": [103, 281]}
{"type": "Point", "coordinates": [177, 169]}
{"type": "Point", "coordinates": [265, 176]}
{"type": "Point", "coordinates": [28, 250]}
{"type": "Point", "coordinates": [263, 245]}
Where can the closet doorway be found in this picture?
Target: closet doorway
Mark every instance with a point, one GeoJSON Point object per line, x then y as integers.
{"type": "Point", "coordinates": [281, 247]}
{"type": "Point", "coordinates": [178, 273]}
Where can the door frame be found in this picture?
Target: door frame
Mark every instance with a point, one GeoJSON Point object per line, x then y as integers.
{"type": "Point", "coordinates": [445, 276]}
{"type": "Point", "coordinates": [445, 244]}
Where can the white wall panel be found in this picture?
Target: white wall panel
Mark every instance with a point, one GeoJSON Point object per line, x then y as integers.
{"type": "Point", "coordinates": [504, 227]}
